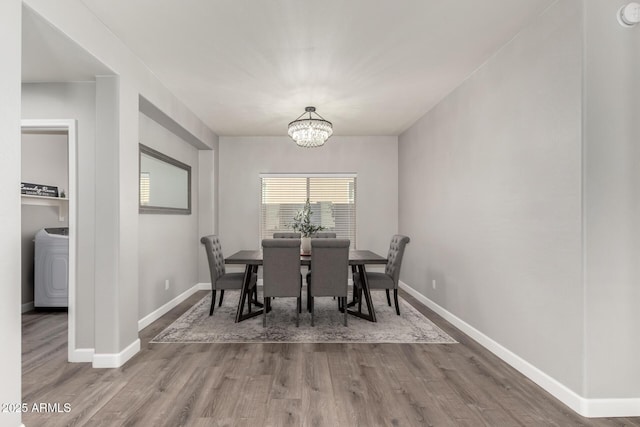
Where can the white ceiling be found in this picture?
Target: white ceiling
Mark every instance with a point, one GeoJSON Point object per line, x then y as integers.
{"type": "Point", "coordinates": [248, 67]}
{"type": "Point", "coordinates": [50, 56]}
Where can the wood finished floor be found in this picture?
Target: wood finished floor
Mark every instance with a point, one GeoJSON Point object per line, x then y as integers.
{"type": "Point", "coordinates": [285, 384]}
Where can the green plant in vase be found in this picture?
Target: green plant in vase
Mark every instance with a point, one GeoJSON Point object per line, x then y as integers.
{"type": "Point", "coordinates": [302, 224]}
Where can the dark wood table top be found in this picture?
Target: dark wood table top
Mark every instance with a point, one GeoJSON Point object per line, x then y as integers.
{"type": "Point", "coordinates": [254, 257]}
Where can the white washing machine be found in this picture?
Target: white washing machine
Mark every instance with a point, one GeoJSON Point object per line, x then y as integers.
{"type": "Point", "coordinates": [51, 268]}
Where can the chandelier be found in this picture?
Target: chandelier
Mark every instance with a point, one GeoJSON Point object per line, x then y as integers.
{"type": "Point", "coordinates": [310, 132]}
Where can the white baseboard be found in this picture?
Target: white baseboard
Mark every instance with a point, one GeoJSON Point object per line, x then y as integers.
{"type": "Point", "coordinates": [82, 355]}
{"type": "Point", "coordinates": [164, 309]}
{"type": "Point", "coordinates": [115, 360]}
{"type": "Point", "coordinates": [27, 307]}
{"type": "Point", "coordinates": [586, 407]}
{"type": "Point", "coordinates": [612, 408]}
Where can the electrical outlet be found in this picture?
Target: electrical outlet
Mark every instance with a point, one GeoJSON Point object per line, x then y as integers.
{"type": "Point", "coordinates": [433, 283]}
{"type": "Point", "coordinates": [166, 285]}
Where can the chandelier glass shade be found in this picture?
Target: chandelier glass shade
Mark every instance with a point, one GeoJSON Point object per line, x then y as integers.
{"type": "Point", "coordinates": [309, 131]}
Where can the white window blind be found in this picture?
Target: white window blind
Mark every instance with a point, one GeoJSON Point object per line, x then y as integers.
{"type": "Point", "coordinates": [332, 199]}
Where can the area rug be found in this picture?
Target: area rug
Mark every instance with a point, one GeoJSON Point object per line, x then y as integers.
{"type": "Point", "coordinates": [196, 326]}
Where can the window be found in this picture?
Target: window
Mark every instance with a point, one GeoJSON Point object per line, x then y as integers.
{"type": "Point", "coordinates": [332, 198]}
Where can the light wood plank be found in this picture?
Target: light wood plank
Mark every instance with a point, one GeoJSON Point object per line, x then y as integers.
{"type": "Point", "coordinates": [285, 384]}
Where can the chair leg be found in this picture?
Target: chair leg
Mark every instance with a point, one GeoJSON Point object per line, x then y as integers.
{"type": "Point", "coordinates": [344, 309]}
{"type": "Point", "coordinates": [298, 311]}
{"type": "Point", "coordinates": [264, 312]}
{"type": "Point", "coordinates": [388, 297]}
{"type": "Point", "coordinates": [312, 311]}
{"type": "Point", "coordinates": [353, 296]}
{"type": "Point", "coordinates": [395, 297]}
{"type": "Point", "coordinates": [354, 272]}
{"type": "Point", "coordinates": [213, 302]}
{"type": "Point", "coordinates": [221, 296]}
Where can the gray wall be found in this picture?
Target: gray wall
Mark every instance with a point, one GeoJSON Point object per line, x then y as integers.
{"type": "Point", "coordinates": [374, 159]}
{"type": "Point", "coordinates": [10, 321]}
{"type": "Point", "coordinates": [112, 319]}
{"type": "Point", "coordinates": [44, 161]}
{"type": "Point", "coordinates": [208, 170]}
{"type": "Point", "coordinates": [168, 244]}
{"type": "Point", "coordinates": [490, 193]}
{"type": "Point", "coordinates": [75, 101]}
{"type": "Point", "coordinates": [115, 316]}
{"type": "Point", "coordinates": [612, 203]}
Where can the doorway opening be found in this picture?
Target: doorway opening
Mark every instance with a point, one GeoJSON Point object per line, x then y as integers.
{"type": "Point", "coordinates": [49, 150]}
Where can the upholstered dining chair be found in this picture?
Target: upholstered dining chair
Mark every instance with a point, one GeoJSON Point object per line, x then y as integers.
{"type": "Point", "coordinates": [220, 279]}
{"type": "Point", "coordinates": [391, 276]}
{"type": "Point", "coordinates": [324, 235]}
{"type": "Point", "coordinates": [286, 235]}
{"type": "Point", "coordinates": [317, 235]}
{"type": "Point", "coordinates": [281, 273]}
{"type": "Point", "coordinates": [329, 272]}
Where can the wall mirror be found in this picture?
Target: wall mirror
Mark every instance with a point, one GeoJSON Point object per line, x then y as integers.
{"type": "Point", "coordinates": [165, 184]}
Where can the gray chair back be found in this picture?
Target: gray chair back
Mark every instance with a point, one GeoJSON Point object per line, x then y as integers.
{"type": "Point", "coordinates": [214, 256]}
{"type": "Point", "coordinates": [394, 257]}
{"type": "Point", "coordinates": [281, 267]}
{"type": "Point", "coordinates": [324, 235]}
{"type": "Point", "coordinates": [286, 235]}
{"type": "Point", "coordinates": [329, 267]}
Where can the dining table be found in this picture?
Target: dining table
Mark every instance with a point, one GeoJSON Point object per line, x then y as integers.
{"type": "Point", "coordinates": [253, 259]}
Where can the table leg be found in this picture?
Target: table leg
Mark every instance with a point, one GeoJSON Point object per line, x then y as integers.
{"type": "Point", "coordinates": [371, 316]}
{"type": "Point", "coordinates": [255, 301]}
{"type": "Point", "coordinates": [245, 293]}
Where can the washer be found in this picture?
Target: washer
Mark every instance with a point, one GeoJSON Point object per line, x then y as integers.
{"type": "Point", "coordinates": [51, 268]}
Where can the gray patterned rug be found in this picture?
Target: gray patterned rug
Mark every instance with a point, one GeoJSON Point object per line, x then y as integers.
{"type": "Point", "coordinates": [196, 326]}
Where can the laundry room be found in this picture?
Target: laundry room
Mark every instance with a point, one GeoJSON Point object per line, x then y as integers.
{"type": "Point", "coordinates": [45, 219]}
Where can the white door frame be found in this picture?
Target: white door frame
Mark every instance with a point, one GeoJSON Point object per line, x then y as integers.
{"type": "Point", "coordinates": [70, 126]}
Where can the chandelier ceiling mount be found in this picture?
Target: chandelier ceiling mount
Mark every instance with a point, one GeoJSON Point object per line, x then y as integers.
{"type": "Point", "coordinates": [310, 131]}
